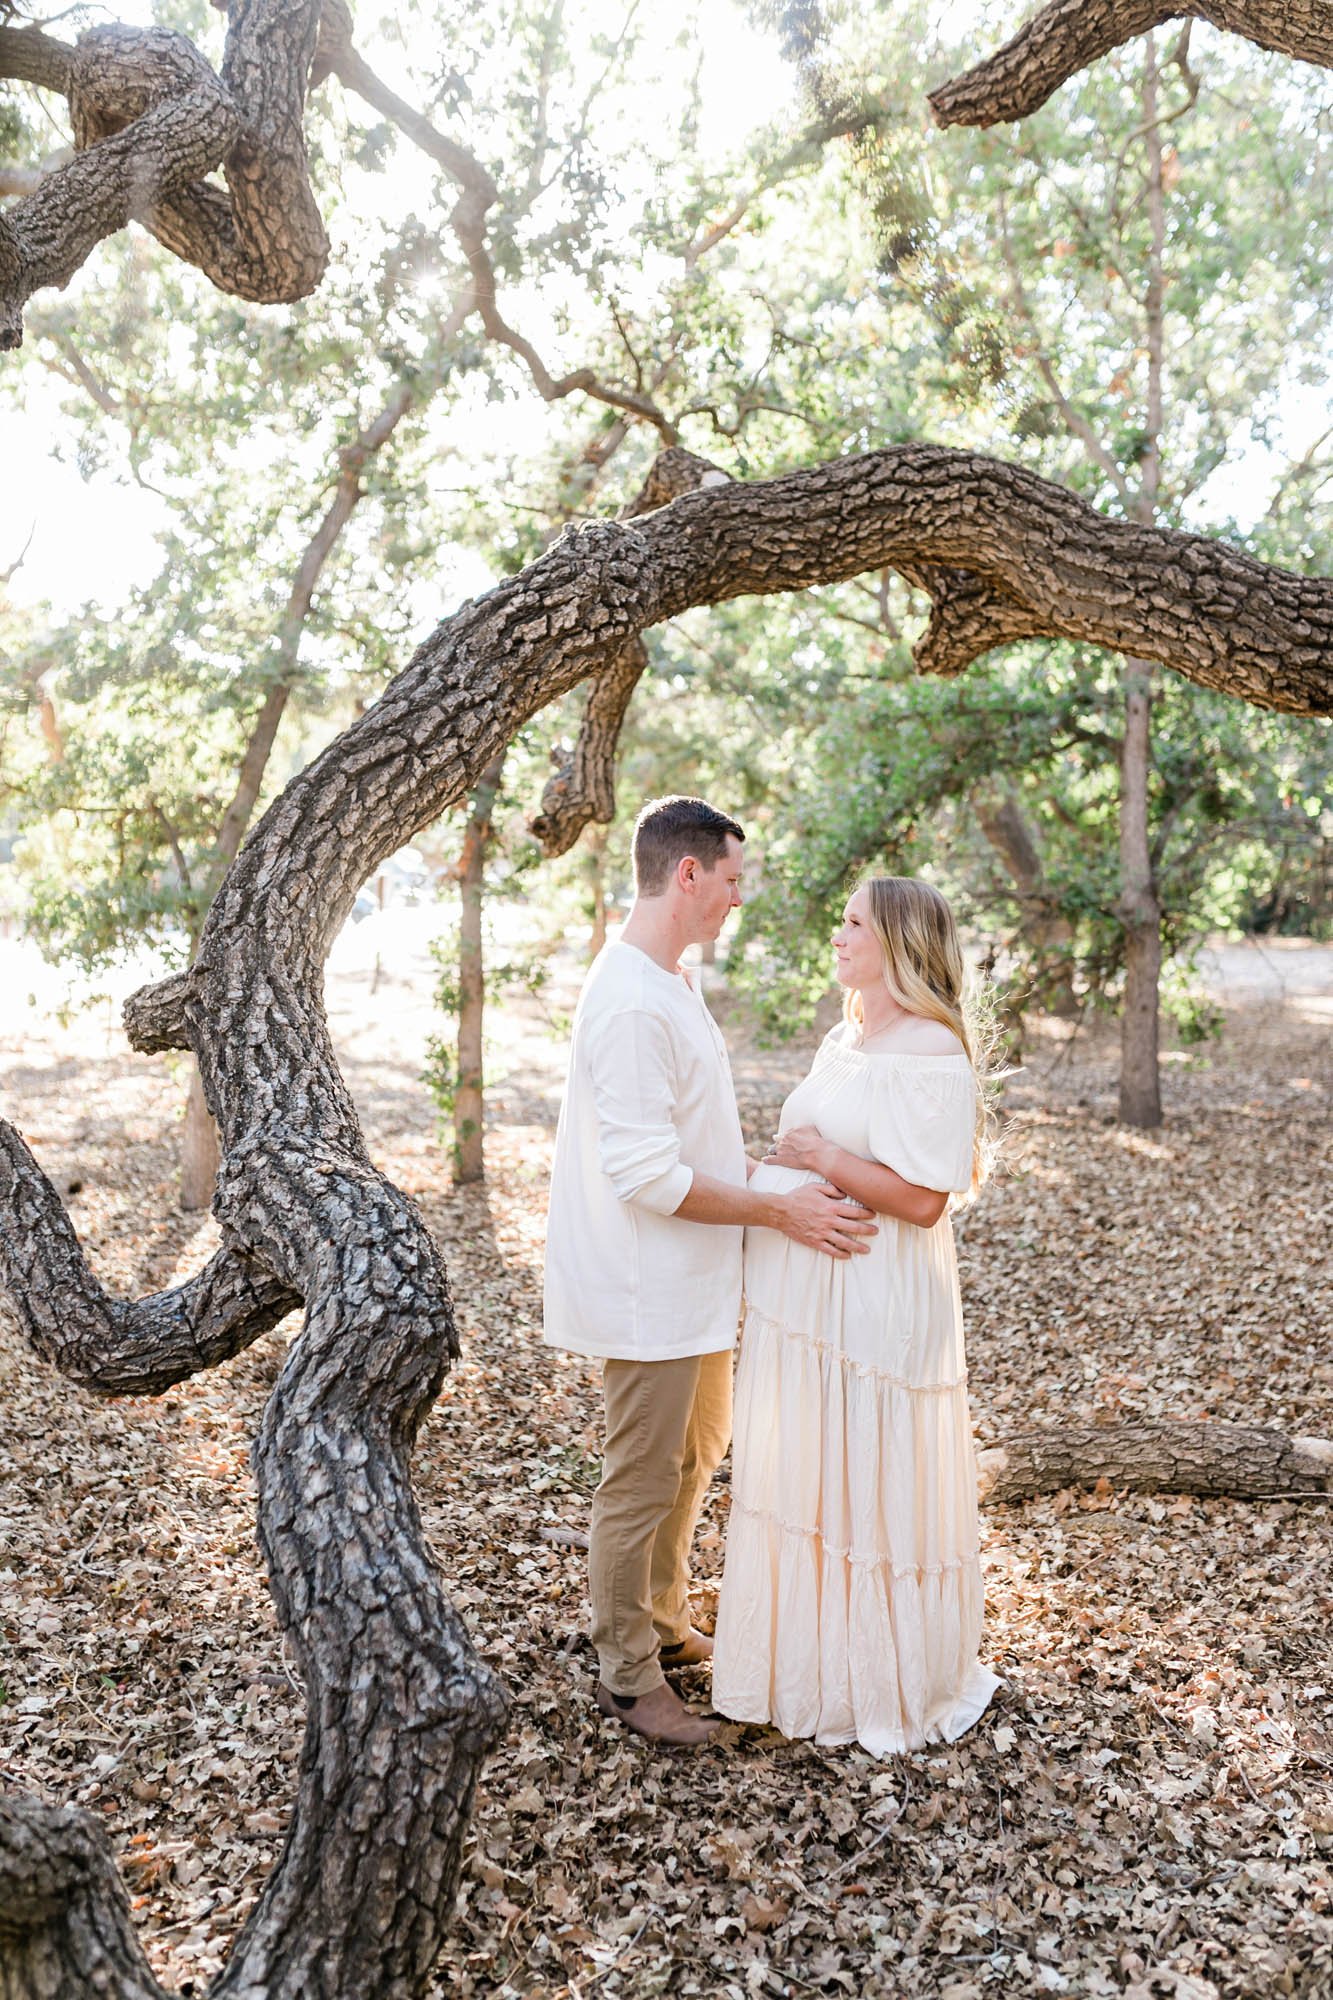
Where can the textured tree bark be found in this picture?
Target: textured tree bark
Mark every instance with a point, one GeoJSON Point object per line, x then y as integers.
{"type": "Point", "coordinates": [1068, 35]}
{"type": "Point", "coordinates": [583, 791]}
{"type": "Point", "coordinates": [1229, 1461]}
{"type": "Point", "coordinates": [400, 1710]}
{"type": "Point", "coordinates": [470, 1103]}
{"type": "Point", "coordinates": [65, 1928]}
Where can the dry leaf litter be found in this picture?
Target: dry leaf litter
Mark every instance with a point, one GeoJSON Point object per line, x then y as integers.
{"type": "Point", "coordinates": [1146, 1811]}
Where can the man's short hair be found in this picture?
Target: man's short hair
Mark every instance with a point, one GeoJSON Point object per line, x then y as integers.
{"type": "Point", "coordinates": [669, 829]}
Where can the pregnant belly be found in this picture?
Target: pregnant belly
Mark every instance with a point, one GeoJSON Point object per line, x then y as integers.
{"type": "Point", "coordinates": [768, 1179]}
{"type": "Point", "coordinates": [786, 1280]}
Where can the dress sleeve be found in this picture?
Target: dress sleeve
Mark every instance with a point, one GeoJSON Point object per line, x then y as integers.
{"type": "Point", "coordinates": [923, 1123]}
{"type": "Point", "coordinates": [633, 1075]}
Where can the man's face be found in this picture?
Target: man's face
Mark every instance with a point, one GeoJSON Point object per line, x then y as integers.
{"type": "Point", "coordinates": [716, 892]}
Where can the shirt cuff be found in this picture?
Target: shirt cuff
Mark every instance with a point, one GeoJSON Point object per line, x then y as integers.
{"type": "Point", "coordinates": [665, 1195]}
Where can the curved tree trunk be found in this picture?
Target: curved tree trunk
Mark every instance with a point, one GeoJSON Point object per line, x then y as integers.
{"type": "Point", "coordinates": [400, 1711]}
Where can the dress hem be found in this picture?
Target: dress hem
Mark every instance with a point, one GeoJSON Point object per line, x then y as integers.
{"type": "Point", "coordinates": [971, 1703]}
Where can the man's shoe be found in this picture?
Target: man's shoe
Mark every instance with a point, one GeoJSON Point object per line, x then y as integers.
{"type": "Point", "coordinates": [659, 1715]}
{"type": "Point", "coordinates": [691, 1651]}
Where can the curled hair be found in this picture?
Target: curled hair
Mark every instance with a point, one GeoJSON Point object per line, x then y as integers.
{"type": "Point", "coordinates": [669, 829]}
{"type": "Point", "coordinates": [926, 973]}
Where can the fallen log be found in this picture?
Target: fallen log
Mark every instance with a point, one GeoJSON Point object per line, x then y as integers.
{"type": "Point", "coordinates": [1204, 1457]}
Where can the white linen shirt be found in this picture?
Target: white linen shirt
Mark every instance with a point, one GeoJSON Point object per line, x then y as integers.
{"type": "Point", "coordinates": [649, 1102]}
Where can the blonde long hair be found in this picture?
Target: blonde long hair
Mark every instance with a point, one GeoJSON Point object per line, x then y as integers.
{"type": "Point", "coordinates": [926, 973]}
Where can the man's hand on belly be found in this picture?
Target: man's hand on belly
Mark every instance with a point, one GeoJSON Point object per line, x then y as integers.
{"type": "Point", "coordinates": [823, 1218]}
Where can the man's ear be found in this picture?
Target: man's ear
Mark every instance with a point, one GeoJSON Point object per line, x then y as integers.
{"type": "Point", "coordinates": [687, 871]}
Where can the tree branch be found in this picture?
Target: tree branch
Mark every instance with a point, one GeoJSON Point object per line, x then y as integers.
{"type": "Point", "coordinates": [336, 56]}
{"type": "Point", "coordinates": [1068, 35]}
{"type": "Point", "coordinates": [583, 790]}
{"type": "Point", "coordinates": [150, 119]}
{"type": "Point", "coordinates": [352, 461]}
{"type": "Point", "coordinates": [112, 1346]}
{"type": "Point", "coordinates": [27, 55]}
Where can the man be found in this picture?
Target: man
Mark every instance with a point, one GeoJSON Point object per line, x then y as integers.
{"type": "Point", "coordinates": [643, 1254]}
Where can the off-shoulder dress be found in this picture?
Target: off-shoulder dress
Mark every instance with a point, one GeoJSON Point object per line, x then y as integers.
{"type": "Point", "coordinates": [851, 1601]}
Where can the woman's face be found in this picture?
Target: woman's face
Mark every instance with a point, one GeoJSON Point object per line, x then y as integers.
{"type": "Point", "coordinates": [856, 947]}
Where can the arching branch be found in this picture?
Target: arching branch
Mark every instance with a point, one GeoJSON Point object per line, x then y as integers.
{"type": "Point", "coordinates": [150, 119]}
{"type": "Point", "coordinates": [28, 55]}
{"type": "Point", "coordinates": [1068, 35]}
{"type": "Point", "coordinates": [582, 792]}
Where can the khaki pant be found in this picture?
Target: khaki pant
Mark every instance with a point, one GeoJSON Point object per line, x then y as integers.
{"type": "Point", "coordinates": [668, 1424]}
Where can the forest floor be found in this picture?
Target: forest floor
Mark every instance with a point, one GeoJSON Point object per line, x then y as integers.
{"type": "Point", "coordinates": [1147, 1810]}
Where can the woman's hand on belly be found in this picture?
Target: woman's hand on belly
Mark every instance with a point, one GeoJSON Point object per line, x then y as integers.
{"type": "Point", "coordinates": [803, 1147]}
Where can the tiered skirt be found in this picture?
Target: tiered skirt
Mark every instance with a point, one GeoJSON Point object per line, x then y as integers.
{"type": "Point", "coordinates": [852, 1599]}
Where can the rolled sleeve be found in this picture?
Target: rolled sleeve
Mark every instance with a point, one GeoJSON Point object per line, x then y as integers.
{"type": "Point", "coordinates": [634, 1090]}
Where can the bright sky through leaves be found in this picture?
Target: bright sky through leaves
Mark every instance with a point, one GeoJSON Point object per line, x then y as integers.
{"type": "Point", "coordinates": [111, 522]}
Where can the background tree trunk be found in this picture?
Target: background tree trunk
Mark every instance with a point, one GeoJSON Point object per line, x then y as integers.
{"type": "Point", "coordinates": [200, 1154]}
{"type": "Point", "coordinates": [594, 845]}
{"type": "Point", "coordinates": [1049, 934]}
{"type": "Point", "coordinates": [469, 1104]}
{"type": "Point", "coordinates": [1140, 912]}
{"type": "Point", "coordinates": [1140, 909]}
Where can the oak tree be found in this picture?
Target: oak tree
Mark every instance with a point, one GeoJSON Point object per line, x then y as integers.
{"type": "Point", "coordinates": [401, 1709]}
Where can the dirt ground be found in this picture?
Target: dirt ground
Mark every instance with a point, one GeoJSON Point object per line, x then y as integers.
{"type": "Point", "coordinates": [1146, 1811]}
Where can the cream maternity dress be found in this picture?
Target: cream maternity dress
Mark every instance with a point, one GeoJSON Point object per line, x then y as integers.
{"type": "Point", "coordinates": [851, 1599]}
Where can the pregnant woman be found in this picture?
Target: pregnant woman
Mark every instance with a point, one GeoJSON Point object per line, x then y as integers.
{"type": "Point", "coordinates": [851, 1600]}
